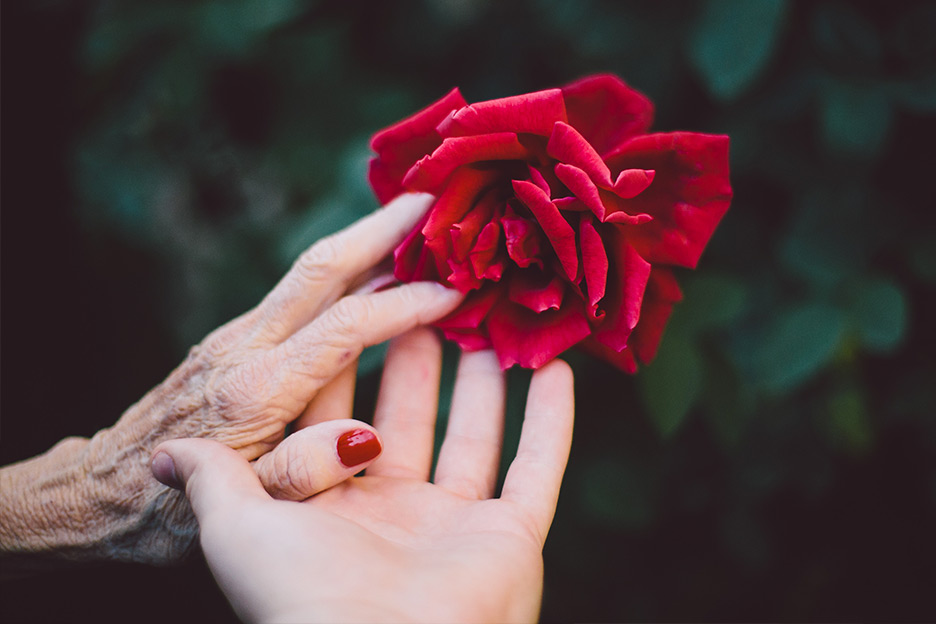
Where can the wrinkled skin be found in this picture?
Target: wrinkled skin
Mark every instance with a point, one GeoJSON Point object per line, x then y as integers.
{"type": "Point", "coordinates": [292, 358]}
{"type": "Point", "coordinates": [559, 215]}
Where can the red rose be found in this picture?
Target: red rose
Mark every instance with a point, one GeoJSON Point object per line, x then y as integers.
{"type": "Point", "coordinates": [558, 212]}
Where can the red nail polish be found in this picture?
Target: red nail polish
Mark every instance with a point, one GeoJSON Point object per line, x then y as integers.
{"type": "Point", "coordinates": [357, 446]}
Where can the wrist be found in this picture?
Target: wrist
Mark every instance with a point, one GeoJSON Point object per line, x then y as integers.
{"type": "Point", "coordinates": [87, 500]}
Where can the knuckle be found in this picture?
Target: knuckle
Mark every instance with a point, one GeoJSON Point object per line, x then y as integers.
{"type": "Point", "coordinates": [351, 313]}
{"type": "Point", "coordinates": [230, 391]}
{"type": "Point", "coordinates": [321, 261]}
{"type": "Point", "coordinates": [292, 477]}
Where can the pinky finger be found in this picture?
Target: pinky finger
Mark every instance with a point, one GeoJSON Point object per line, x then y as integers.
{"type": "Point", "coordinates": [535, 474]}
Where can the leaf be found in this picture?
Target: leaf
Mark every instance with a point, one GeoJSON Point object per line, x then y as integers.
{"type": "Point", "coordinates": [712, 301]}
{"type": "Point", "coordinates": [855, 119]}
{"type": "Point", "coordinates": [670, 385]}
{"type": "Point", "coordinates": [232, 27]}
{"type": "Point", "coordinates": [918, 96]}
{"type": "Point", "coordinates": [849, 425]}
{"type": "Point", "coordinates": [921, 255]}
{"type": "Point", "coordinates": [797, 344]}
{"type": "Point", "coordinates": [732, 42]}
{"type": "Point", "coordinates": [845, 36]}
{"type": "Point", "coordinates": [829, 236]}
{"type": "Point", "coordinates": [616, 493]}
{"type": "Point", "coordinates": [878, 309]}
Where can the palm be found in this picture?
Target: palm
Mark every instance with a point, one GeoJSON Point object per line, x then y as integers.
{"type": "Point", "coordinates": [435, 541]}
{"type": "Point", "coordinates": [391, 545]}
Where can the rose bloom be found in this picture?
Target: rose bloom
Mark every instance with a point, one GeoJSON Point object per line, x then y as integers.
{"type": "Point", "coordinates": [557, 213]}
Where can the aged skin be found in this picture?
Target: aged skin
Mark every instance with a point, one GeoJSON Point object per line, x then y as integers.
{"type": "Point", "coordinates": [286, 360]}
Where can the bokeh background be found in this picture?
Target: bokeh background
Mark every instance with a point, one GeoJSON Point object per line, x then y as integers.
{"type": "Point", "coordinates": [164, 161]}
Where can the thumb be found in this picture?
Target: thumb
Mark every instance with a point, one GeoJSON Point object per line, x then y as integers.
{"type": "Point", "coordinates": [317, 457]}
{"type": "Point", "coordinates": [212, 475]}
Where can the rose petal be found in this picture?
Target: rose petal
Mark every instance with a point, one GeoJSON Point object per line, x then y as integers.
{"type": "Point", "coordinates": [473, 310]}
{"type": "Point", "coordinates": [464, 325]}
{"type": "Point", "coordinates": [689, 195]}
{"type": "Point", "coordinates": [623, 359]}
{"type": "Point", "coordinates": [594, 264]}
{"type": "Point", "coordinates": [461, 276]}
{"type": "Point", "coordinates": [557, 230]}
{"type": "Point", "coordinates": [484, 257]}
{"type": "Point", "coordinates": [536, 290]}
{"type": "Point", "coordinates": [536, 177]}
{"type": "Point", "coordinates": [402, 144]}
{"type": "Point", "coordinates": [533, 113]}
{"type": "Point", "coordinates": [460, 194]}
{"type": "Point", "coordinates": [465, 232]}
{"type": "Point", "coordinates": [568, 146]}
{"type": "Point", "coordinates": [625, 291]}
{"type": "Point", "coordinates": [523, 240]}
{"type": "Point", "coordinates": [520, 336]}
{"type": "Point", "coordinates": [632, 182]}
{"type": "Point", "coordinates": [458, 198]}
{"type": "Point", "coordinates": [603, 204]}
{"type": "Point", "coordinates": [606, 111]}
{"type": "Point", "coordinates": [573, 204]}
{"type": "Point", "coordinates": [662, 292]}
{"type": "Point", "coordinates": [411, 255]}
{"type": "Point", "coordinates": [430, 173]}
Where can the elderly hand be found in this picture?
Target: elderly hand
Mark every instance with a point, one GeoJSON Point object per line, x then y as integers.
{"type": "Point", "coordinates": [292, 357]}
{"type": "Point", "coordinates": [391, 545]}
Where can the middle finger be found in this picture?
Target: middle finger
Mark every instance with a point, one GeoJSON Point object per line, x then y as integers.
{"type": "Point", "coordinates": [406, 406]}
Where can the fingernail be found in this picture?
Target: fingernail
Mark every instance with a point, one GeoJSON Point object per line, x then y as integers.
{"type": "Point", "coordinates": [357, 446]}
{"type": "Point", "coordinates": [164, 470]}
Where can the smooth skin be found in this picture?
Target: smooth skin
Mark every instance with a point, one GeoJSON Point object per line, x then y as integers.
{"type": "Point", "coordinates": [290, 359]}
{"type": "Point", "coordinates": [393, 546]}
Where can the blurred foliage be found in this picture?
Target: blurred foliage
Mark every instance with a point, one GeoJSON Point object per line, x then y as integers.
{"type": "Point", "coordinates": [776, 461]}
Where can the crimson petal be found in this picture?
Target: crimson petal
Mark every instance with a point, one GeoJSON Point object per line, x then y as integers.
{"type": "Point", "coordinates": [568, 146]}
{"type": "Point", "coordinates": [402, 144]}
{"type": "Point", "coordinates": [520, 336]}
{"type": "Point", "coordinates": [625, 294]}
{"type": "Point", "coordinates": [465, 232]}
{"type": "Point", "coordinates": [533, 113]}
{"type": "Point", "coordinates": [689, 195]}
{"type": "Point", "coordinates": [603, 204]}
{"type": "Point", "coordinates": [594, 264]}
{"type": "Point", "coordinates": [623, 359]}
{"type": "Point", "coordinates": [410, 256]}
{"type": "Point", "coordinates": [606, 111]}
{"type": "Point", "coordinates": [430, 173]}
{"type": "Point", "coordinates": [523, 240]}
{"type": "Point", "coordinates": [484, 256]}
{"type": "Point", "coordinates": [557, 229]}
{"type": "Point", "coordinates": [536, 290]}
{"type": "Point", "coordinates": [662, 292]}
{"type": "Point", "coordinates": [464, 325]}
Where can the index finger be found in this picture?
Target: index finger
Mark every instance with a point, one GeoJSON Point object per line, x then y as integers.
{"type": "Point", "coordinates": [323, 272]}
{"type": "Point", "coordinates": [535, 474]}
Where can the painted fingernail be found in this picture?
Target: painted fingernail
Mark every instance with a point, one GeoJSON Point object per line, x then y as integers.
{"type": "Point", "coordinates": [164, 470]}
{"type": "Point", "coordinates": [357, 446]}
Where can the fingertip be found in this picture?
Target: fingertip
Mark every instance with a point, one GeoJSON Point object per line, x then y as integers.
{"type": "Point", "coordinates": [558, 369]}
{"type": "Point", "coordinates": [437, 293]}
{"type": "Point", "coordinates": [318, 457]}
{"type": "Point", "coordinates": [409, 206]}
{"type": "Point", "coordinates": [163, 468]}
{"type": "Point", "coordinates": [210, 473]}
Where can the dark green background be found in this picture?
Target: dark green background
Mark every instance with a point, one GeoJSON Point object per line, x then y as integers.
{"type": "Point", "coordinates": [163, 162]}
